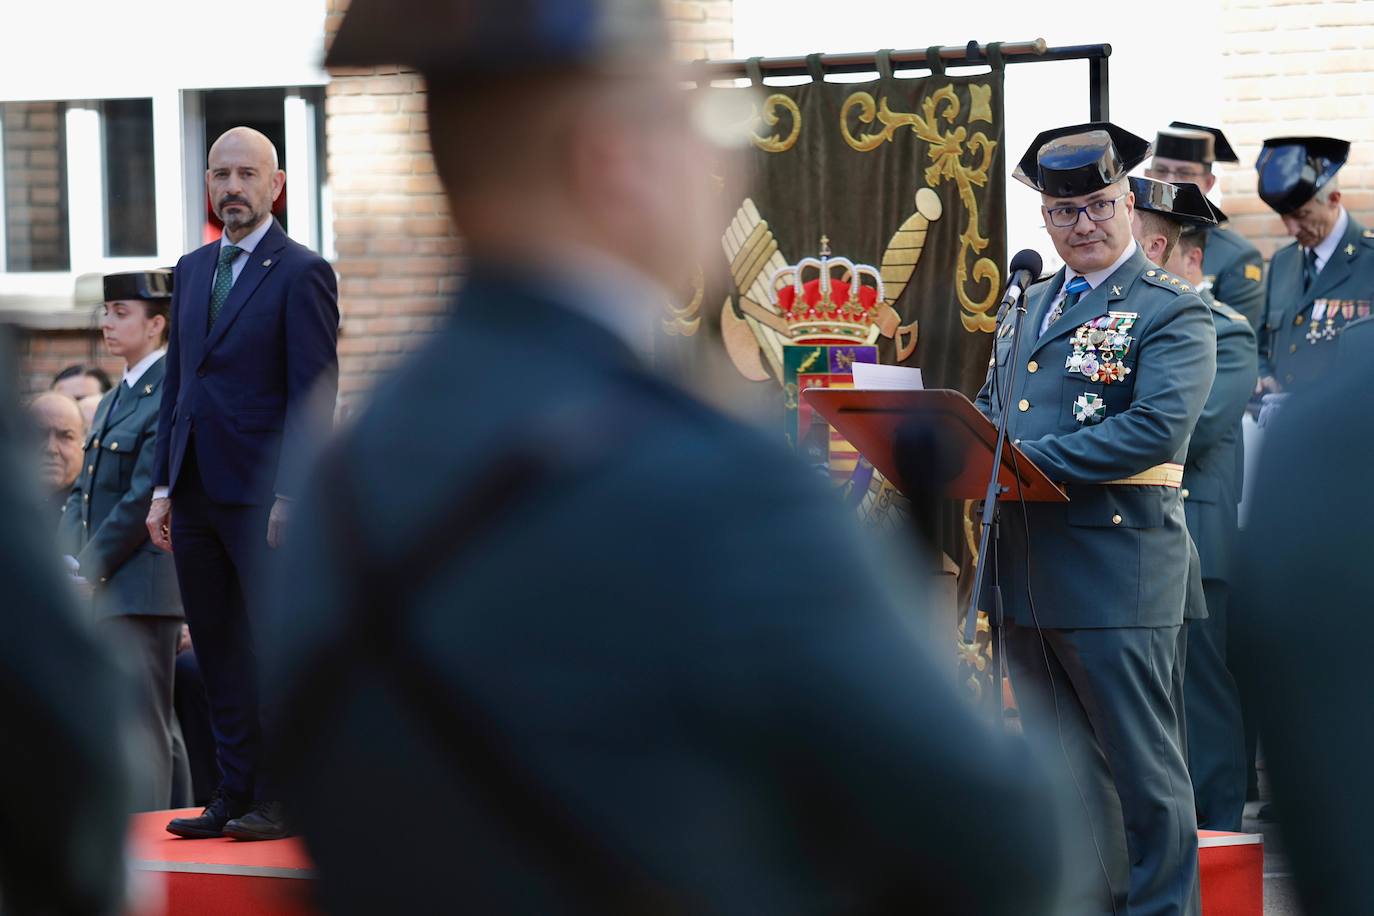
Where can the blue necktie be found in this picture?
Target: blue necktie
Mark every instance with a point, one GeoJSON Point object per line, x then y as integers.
{"type": "Point", "coordinates": [1073, 291]}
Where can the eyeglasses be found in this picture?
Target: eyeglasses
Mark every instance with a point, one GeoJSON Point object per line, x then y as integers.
{"type": "Point", "coordinates": [1099, 211]}
{"type": "Point", "coordinates": [1169, 173]}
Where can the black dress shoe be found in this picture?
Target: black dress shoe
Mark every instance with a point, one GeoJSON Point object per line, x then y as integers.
{"type": "Point", "coordinates": [210, 822]}
{"type": "Point", "coordinates": [265, 822]}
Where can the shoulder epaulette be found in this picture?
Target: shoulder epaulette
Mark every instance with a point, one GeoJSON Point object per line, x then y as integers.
{"type": "Point", "coordinates": [1368, 236]}
{"type": "Point", "coordinates": [1229, 312]}
{"type": "Point", "coordinates": [1168, 281]}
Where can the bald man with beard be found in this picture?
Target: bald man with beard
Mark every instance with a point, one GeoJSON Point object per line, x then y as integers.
{"type": "Point", "coordinates": [252, 363]}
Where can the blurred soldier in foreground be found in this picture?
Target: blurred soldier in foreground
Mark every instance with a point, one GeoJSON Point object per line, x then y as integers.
{"type": "Point", "coordinates": [1232, 268]}
{"type": "Point", "coordinates": [134, 598]}
{"type": "Point", "coordinates": [63, 776]}
{"type": "Point", "coordinates": [1173, 225]}
{"type": "Point", "coordinates": [1306, 594]}
{"type": "Point", "coordinates": [1115, 363]}
{"type": "Point", "coordinates": [1325, 279]}
{"type": "Point", "coordinates": [568, 637]}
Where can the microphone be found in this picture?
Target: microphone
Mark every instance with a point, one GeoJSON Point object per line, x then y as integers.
{"type": "Point", "coordinates": [1025, 270]}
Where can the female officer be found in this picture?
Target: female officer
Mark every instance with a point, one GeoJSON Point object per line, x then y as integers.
{"type": "Point", "coordinates": [132, 583]}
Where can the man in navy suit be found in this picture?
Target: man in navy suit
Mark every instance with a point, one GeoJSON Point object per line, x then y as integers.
{"type": "Point", "coordinates": [252, 363]}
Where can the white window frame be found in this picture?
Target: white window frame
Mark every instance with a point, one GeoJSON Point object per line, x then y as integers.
{"type": "Point", "coordinates": [179, 152]}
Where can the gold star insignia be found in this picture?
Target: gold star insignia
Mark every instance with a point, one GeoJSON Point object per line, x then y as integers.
{"type": "Point", "coordinates": [1116, 290]}
{"type": "Point", "coordinates": [1186, 288]}
{"type": "Point", "coordinates": [1349, 249]}
{"type": "Point", "coordinates": [980, 98]}
{"type": "Point", "coordinates": [1174, 280]}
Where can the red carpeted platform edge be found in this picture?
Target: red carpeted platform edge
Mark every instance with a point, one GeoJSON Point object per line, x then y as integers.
{"type": "Point", "coordinates": [222, 877]}
{"type": "Point", "coordinates": [230, 878]}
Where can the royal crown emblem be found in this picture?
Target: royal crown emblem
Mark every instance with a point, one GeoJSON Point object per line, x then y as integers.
{"type": "Point", "coordinates": [825, 299]}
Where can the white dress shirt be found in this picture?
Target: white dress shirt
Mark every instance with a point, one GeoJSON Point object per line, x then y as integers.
{"type": "Point", "coordinates": [247, 243]}
{"type": "Point", "coordinates": [137, 370]}
{"type": "Point", "coordinates": [1095, 279]}
{"type": "Point", "coordinates": [1327, 246]}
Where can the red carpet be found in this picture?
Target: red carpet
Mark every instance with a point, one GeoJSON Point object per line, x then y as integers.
{"type": "Point", "coordinates": [222, 877]}
{"type": "Point", "coordinates": [230, 878]}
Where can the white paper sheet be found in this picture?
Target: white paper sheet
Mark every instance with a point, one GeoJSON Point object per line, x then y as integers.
{"type": "Point", "coordinates": [874, 377]}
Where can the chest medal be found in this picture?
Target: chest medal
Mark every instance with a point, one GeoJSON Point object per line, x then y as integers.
{"type": "Point", "coordinates": [1099, 348]}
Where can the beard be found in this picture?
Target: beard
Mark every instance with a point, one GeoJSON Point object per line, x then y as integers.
{"type": "Point", "coordinates": [242, 216]}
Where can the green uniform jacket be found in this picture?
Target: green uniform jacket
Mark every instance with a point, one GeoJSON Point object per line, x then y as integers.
{"type": "Point", "coordinates": [1114, 556]}
{"type": "Point", "coordinates": [1302, 329]}
{"type": "Point", "coordinates": [1235, 270]}
{"type": "Point", "coordinates": [1212, 473]}
{"type": "Point", "coordinates": [103, 525]}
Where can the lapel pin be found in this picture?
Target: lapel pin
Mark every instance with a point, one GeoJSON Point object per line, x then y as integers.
{"type": "Point", "coordinates": [1116, 290]}
{"type": "Point", "coordinates": [1349, 249]}
{"type": "Point", "coordinates": [147, 389]}
{"type": "Point", "coordinates": [267, 263]}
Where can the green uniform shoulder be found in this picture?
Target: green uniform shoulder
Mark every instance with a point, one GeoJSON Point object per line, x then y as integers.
{"type": "Point", "coordinates": [1226, 311]}
{"type": "Point", "coordinates": [1168, 281]}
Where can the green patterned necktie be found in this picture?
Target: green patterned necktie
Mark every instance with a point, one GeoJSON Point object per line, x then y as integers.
{"type": "Point", "coordinates": [224, 280]}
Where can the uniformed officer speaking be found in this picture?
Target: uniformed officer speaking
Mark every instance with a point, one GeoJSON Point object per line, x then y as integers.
{"type": "Point", "coordinates": [1115, 364]}
{"type": "Point", "coordinates": [1324, 280]}
{"type": "Point", "coordinates": [1174, 224]}
{"type": "Point", "coordinates": [1232, 268]}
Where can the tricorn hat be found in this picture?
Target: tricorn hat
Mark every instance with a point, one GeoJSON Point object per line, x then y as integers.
{"type": "Point", "coordinates": [138, 284]}
{"type": "Point", "coordinates": [1080, 159]}
{"type": "Point", "coordinates": [1220, 151]}
{"type": "Point", "coordinates": [461, 37]}
{"type": "Point", "coordinates": [1186, 144]}
{"type": "Point", "coordinates": [1293, 169]}
{"type": "Point", "coordinates": [1183, 203]}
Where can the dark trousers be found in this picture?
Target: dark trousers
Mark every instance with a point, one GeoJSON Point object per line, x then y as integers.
{"type": "Point", "coordinates": [1104, 696]}
{"type": "Point", "coordinates": [146, 647]}
{"type": "Point", "coordinates": [1211, 704]}
{"type": "Point", "coordinates": [193, 714]}
{"type": "Point", "coordinates": [220, 551]}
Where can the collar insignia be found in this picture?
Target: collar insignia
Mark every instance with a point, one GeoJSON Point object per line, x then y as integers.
{"type": "Point", "coordinates": [147, 389]}
{"type": "Point", "coordinates": [1116, 290]}
{"type": "Point", "coordinates": [1349, 249]}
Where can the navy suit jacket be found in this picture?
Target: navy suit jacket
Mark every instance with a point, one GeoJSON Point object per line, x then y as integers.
{"type": "Point", "coordinates": [266, 373]}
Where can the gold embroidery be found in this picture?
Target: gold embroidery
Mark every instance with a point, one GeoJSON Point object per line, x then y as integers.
{"type": "Point", "coordinates": [770, 144]}
{"type": "Point", "coordinates": [946, 152]}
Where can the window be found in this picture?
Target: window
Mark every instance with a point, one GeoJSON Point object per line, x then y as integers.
{"type": "Point", "coordinates": [34, 194]}
{"type": "Point", "coordinates": [127, 160]}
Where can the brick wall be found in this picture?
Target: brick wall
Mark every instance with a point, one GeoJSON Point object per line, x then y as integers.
{"type": "Point", "coordinates": [44, 353]}
{"type": "Point", "coordinates": [1292, 68]}
{"type": "Point", "coordinates": [397, 256]}
{"type": "Point", "coordinates": [35, 194]}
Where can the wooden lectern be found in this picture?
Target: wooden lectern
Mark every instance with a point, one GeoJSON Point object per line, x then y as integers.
{"type": "Point", "coordinates": [874, 421]}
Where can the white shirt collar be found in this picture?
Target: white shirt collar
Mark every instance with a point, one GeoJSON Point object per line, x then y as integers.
{"type": "Point", "coordinates": [1327, 246]}
{"type": "Point", "coordinates": [137, 370]}
{"type": "Point", "coordinates": [249, 241]}
{"type": "Point", "coordinates": [1098, 277]}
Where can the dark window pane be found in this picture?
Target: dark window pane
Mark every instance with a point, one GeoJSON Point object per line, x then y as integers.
{"type": "Point", "coordinates": [35, 168]}
{"type": "Point", "coordinates": [130, 204]}
{"type": "Point", "coordinates": [261, 109]}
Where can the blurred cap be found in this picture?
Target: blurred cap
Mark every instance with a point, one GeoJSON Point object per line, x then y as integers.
{"type": "Point", "coordinates": [1293, 169]}
{"type": "Point", "coordinates": [138, 284]}
{"type": "Point", "coordinates": [449, 38]}
{"type": "Point", "coordinates": [1220, 150]}
{"type": "Point", "coordinates": [1077, 160]}
{"type": "Point", "coordinates": [1184, 203]}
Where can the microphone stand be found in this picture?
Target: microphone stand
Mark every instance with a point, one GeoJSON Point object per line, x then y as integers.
{"type": "Point", "coordinates": [988, 534]}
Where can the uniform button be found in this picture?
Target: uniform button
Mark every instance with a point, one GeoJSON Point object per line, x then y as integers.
{"type": "Point", "coordinates": [1032, 366]}
{"type": "Point", "coordinates": [1298, 320]}
{"type": "Point", "coordinates": [1116, 519]}
{"type": "Point", "coordinates": [86, 498]}
{"type": "Point", "coordinates": [1185, 493]}
{"type": "Point", "coordinates": [114, 446]}
{"type": "Point", "coordinates": [90, 469]}
{"type": "Point", "coordinates": [1292, 348]}
{"type": "Point", "coordinates": [96, 443]}
{"type": "Point", "coordinates": [1016, 442]}
{"type": "Point", "coordinates": [1023, 406]}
